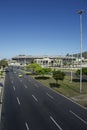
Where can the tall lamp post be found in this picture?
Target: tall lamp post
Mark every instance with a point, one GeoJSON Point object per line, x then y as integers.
{"type": "Point", "coordinates": [80, 12]}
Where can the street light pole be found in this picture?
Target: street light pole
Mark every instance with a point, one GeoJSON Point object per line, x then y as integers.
{"type": "Point", "coordinates": [80, 12]}
{"type": "Point", "coordinates": [72, 69]}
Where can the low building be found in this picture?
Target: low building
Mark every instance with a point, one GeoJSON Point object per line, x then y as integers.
{"type": "Point", "coordinates": [44, 60]}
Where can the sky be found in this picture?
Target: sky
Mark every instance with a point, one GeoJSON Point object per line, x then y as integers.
{"type": "Point", "coordinates": [41, 27]}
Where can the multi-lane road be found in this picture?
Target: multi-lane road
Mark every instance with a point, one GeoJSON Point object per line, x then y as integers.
{"type": "Point", "coordinates": [28, 105]}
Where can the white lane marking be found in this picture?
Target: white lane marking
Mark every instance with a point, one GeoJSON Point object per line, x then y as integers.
{"type": "Point", "coordinates": [25, 86]}
{"type": "Point", "coordinates": [55, 123]}
{"type": "Point", "coordinates": [12, 81]}
{"type": "Point", "coordinates": [20, 80]}
{"type": "Point", "coordinates": [29, 80]}
{"type": "Point", "coordinates": [14, 88]}
{"type": "Point", "coordinates": [34, 98]}
{"type": "Point", "coordinates": [27, 127]}
{"type": "Point", "coordinates": [36, 86]}
{"type": "Point", "coordinates": [49, 96]}
{"type": "Point", "coordinates": [78, 117]}
{"type": "Point", "coordinates": [18, 100]}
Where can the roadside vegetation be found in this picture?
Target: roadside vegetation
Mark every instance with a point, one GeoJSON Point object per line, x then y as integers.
{"type": "Point", "coordinates": [3, 65]}
{"type": "Point", "coordinates": [84, 71]}
{"type": "Point", "coordinates": [60, 82]}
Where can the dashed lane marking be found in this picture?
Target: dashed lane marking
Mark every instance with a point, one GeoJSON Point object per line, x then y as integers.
{"type": "Point", "coordinates": [49, 95]}
{"type": "Point", "coordinates": [25, 86]}
{"type": "Point", "coordinates": [35, 98]}
{"type": "Point", "coordinates": [36, 86]}
{"type": "Point", "coordinates": [26, 124]}
{"type": "Point", "coordinates": [12, 81]}
{"type": "Point", "coordinates": [55, 123]}
{"type": "Point", "coordinates": [18, 101]}
{"type": "Point", "coordinates": [78, 117]}
{"type": "Point", "coordinates": [14, 88]}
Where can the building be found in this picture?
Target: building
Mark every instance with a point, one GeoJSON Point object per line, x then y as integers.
{"type": "Point", "coordinates": [45, 60]}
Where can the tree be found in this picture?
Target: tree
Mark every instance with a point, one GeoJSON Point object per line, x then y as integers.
{"type": "Point", "coordinates": [84, 71]}
{"type": "Point", "coordinates": [33, 67]}
{"type": "Point", "coordinates": [58, 75]}
{"type": "Point", "coordinates": [41, 71]}
{"type": "Point", "coordinates": [47, 70]}
{"type": "Point", "coordinates": [44, 71]}
{"type": "Point", "coordinates": [3, 63]}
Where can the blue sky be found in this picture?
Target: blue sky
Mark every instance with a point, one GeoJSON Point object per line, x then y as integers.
{"type": "Point", "coordinates": [41, 27]}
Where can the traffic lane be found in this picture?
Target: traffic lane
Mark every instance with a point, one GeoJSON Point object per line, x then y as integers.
{"type": "Point", "coordinates": [35, 118]}
{"type": "Point", "coordinates": [50, 108]}
{"type": "Point", "coordinates": [10, 109]}
{"type": "Point", "coordinates": [60, 113]}
{"type": "Point", "coordinates": [11, 115]}
{"type": "Point", "coordinates": [33, 96]}
{"type": "Point", "coordinates": [75, 107]}
{"type": "Point", "coordinates": [74, 113]}
{"type": "Point", "coordinates": [41, 108]}
{"type": "Point", "coordinates": [61, 99]}
{"type": "Point", "coordinates": [78, 111]}
{"type": "Point", "coordinates": [67, 103]}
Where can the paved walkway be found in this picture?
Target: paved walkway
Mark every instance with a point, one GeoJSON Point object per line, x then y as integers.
{"type": "Point", "coordinates": [1, 94]}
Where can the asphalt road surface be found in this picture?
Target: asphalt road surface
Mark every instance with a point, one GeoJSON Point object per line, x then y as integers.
{"type": "Point", "coordinates": [28, 105]}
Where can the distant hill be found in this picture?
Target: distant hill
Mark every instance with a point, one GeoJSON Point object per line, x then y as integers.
{"type": "Point", "coordinates": [84, 54]}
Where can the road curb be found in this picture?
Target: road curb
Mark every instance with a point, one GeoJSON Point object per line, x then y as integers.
{"type": "Point", "coordinates": [1, 96]}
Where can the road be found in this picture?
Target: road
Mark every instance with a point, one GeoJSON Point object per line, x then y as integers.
{"type": "Point", "coordinates": [29, 105]}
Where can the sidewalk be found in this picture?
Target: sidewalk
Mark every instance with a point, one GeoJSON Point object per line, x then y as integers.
{"type": "Point", "coordinates": [1, 96]}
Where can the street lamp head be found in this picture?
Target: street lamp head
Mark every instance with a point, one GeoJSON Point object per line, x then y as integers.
{"type": "Point", "coordinates": [80, 12]}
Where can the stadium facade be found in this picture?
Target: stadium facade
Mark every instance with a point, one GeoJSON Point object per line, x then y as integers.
{"type": "Point", "coordinates": [44, 60]}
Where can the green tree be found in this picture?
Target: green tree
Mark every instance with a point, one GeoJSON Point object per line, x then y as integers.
{"type": "Point", "coordinates": [47, 70]}
{"type": "Point", "coordinates": [58, 75]}
{"type": "Point", "coordinates": [3, 63]}
{"type": "Point", "coordinates": [84, 71]}
{"type": "Point", "coordinates": [78, 72]}
{"type": "Point", "coordinates": [43, 71]}
{"type": "Point", "coordinates": [33, 67]}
